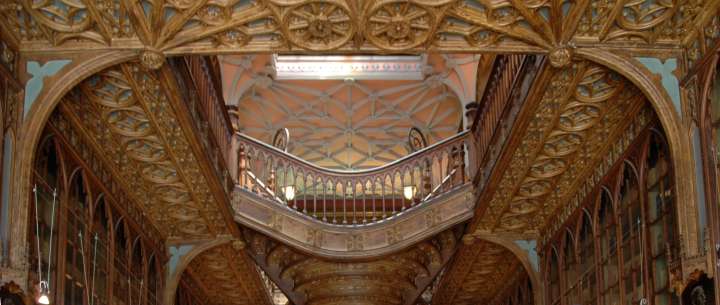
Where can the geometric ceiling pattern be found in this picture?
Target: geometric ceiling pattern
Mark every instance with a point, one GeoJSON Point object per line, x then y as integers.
{"type": "Point", "coordinates": [341, 124]}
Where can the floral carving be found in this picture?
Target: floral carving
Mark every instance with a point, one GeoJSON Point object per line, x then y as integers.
{"type": "Point", "coordinates": [399, 25]}
{"type": "Point", "coordinates": [319, 25]}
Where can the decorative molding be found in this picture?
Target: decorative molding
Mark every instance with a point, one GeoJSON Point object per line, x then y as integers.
{"type": "Point", "coordinates": [396, 278]}
{"type": "Point", "coordinates": [667, 72]}
{"type": "Point", "coordinates": [35, 84]}
{"type": "Point", "coordinates": [350, 26]}
{"type": "Point", "coordinates": [332, 241]}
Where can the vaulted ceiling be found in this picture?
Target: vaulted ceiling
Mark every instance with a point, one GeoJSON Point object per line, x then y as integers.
{"type": "Point", "coordinates": [577, 119]}
{"type": "Point", "coordinates": [132, 118]}
{"type": "Point", "coordinates": [343, 124]}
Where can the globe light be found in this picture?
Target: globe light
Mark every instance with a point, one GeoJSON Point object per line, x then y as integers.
{"type": "Point", "coordinates": [409, 192]}
{"type": "Point", "coordinates": [43, 298]}
{"type": "Point", "coordinates": [289, 192]}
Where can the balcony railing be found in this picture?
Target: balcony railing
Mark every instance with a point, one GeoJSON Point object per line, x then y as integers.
{"type": "Point", "coordinates": [206, 107]}
{"type": "Point", "coordinates": [512, 76]}
{"type": "Point", "coordinates": [352, 198]}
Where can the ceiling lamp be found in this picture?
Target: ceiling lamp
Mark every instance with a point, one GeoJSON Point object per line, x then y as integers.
{"type": "Point", "coordinates": [306, 67]}
{"type": "Point", "coordinates": [44, 284]}
{"type": "Point", "coordinates": [43, 299]}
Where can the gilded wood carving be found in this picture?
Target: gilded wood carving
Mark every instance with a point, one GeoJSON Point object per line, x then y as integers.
{"type": "Point", "coordinates": [175, 26]}
{"type": "Point", "coordinates": [394, 279]}
{"type": "Point", "coordinates": [583, 105]}
{"type": "Point", "coordinates": [127, 116]}
{"type": "Point", "coordinates": [479, 272]}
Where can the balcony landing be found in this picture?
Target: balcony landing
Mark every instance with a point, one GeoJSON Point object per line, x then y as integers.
{"type": "Point", "coordinates": [392, 234]}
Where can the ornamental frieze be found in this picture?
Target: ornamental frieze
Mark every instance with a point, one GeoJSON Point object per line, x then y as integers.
{"type": "Point", "coordinates": [174, 27]}
{"type": "Point", "coordinates": [334, 241]}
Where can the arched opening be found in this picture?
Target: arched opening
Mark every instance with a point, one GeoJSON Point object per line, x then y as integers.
{"type": "Point", "coordinates": [633, 224]}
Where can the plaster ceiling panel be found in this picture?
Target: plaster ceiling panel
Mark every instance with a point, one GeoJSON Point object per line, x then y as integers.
{"type": "Point", "coordinates": [342, 124]}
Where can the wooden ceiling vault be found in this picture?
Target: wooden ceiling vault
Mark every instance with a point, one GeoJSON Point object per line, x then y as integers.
{"type": "Point", "coordinates": [398, 278]}
{"type": "Point", "coordinates": [180, 27]}
{"type": "Point", "coordinates": [342, 124]}
{"type": "Point", "coordinates": [558, 149]}
{"type": "Point", "coordinates": [136, 119]}
{"type": "Point", "coordinates": [132, 115]}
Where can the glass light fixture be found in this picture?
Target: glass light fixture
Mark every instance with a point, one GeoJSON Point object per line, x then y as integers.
{"type": "Point", "coordinates": [409, 192]}
{"type": "Point", "coordinates": [375, 67]}
{"type": "Point", "coordinates": [43, 298]}
{"type": "Point", "coordinates": [289, 192]}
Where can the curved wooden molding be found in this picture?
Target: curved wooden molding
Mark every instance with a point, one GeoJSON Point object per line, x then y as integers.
{"type": "Point", "coordinates": [332, 241]}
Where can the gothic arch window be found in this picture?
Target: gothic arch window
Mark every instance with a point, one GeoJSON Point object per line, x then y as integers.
{"type": "Point", "coordinates": [101, 229]}
{"type": "Point", "coordinates": [630, 227]}
{"type": "Point", "coordinates": [121, 277]}
{"type": "Point", "coordinates": [608, 260]}
{"type": "Point", "coordinates": [553, 278]}
{"type": "Point", "coordinates": [153, 281]}
{"type": "Point", "coordinates": [626, 231]}
{"type": "Point", "coordinates": [47, 176]}
{"type": "Point", "coordinates": [571, 289]}
{"type": "Point", "coordinates": [76, 239]}
{"type": "Point", "coordinates": [661, 218]}
{"type": "Point", "coordinates": [96, 247]}
{"type": "Point", "coordinates": [586, 260]}
{"type": "Point", "coordinates": [137, 265]}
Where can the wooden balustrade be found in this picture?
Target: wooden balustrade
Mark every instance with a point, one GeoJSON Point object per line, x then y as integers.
{"type": "Point", "coordinates": [207, 109]}
{"type": "Point", "coordinates": [211, 104]}
{"type": "Point", "coordinates": [493, 120]}
{"type": "Point", "coordinates": [352, 197]}
{"type": "Point", "coordinates": [496, 96]}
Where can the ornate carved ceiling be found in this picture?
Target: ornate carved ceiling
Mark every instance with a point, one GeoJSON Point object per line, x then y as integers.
{"type": "Point", "coordinates": [343, 124]}
{"type": "Point", "coordinates": [180, 27]}
{"type": "Point", "coordinates": [565, 137]}
{"type": "Point", "coordinates": [222, 279]}
{"type": "Point", "coordinates": [129, 115]}
{"type": "Point", "coordinates": [477, 275]}
{"type": "Point", "coordinates": [396, 279]}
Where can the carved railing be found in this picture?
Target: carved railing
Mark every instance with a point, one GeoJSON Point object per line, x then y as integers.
{"type": "Point", "coordinates": [507, 89]}
{"type": "Point", "coordinates": [207, 111]}
{"type": "Point", "coordinates": [352, 198]}
{"type": "Point", "coordinates": [211, 105]}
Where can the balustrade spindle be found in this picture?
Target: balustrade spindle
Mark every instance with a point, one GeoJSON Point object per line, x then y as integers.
{"type": "Point", "coordinates": [382, 192]}
{"type": "Point", "coordinates": [344, 203]}
{"type": "Point", "coordinates": [324, 201]}
{"type": "Point", "coordinates": [392, 193]}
